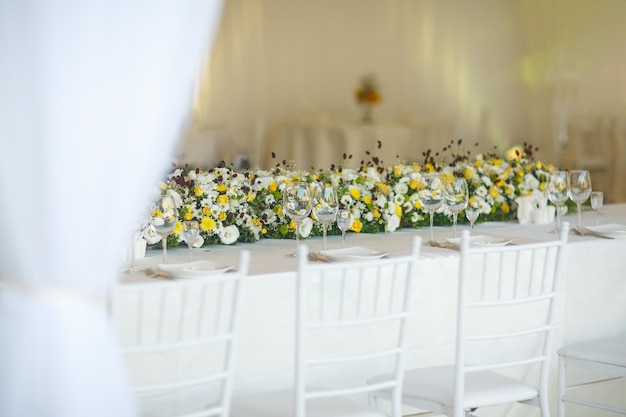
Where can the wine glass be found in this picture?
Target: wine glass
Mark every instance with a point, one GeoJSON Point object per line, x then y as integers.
{"type": "Point", "coordinates": [191, 231]}
{"type": "Point", "coordinates": [597, 201]}
{"type": "Point", "coordinates": [344, 221]}
{"type": "Point", "coordinates": [455, 195]}
{"type": "Point", "coordinates": [163, 218]}
{"type": "Point", "coordinates": [298, 203]}
{"type": "Point", "coordinates": [430, 194]}
{"type": "Point", "coordinates": [471, 212]}
{"type": "Point", "coordinates": [325, 205]}
{"type": "Point", "coordinates": [557, 193]}
{"type": "Point", "coordinates": [579, 190]}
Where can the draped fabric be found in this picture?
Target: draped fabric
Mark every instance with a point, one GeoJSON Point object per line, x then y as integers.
{"type": "Point", "coordinates": [94, 96]}
{"type": "Point", "coordinates": [502, 72]}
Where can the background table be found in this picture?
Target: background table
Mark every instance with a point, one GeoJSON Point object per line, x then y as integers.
{"type": "Point", "coordinates": [593, 300]}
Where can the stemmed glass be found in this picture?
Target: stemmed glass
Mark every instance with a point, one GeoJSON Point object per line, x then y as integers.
{"type": "Point", "coordinates": [325, 205]}
{"type": "Point", "coordinates": [597, 201]}
{"type": "Point", "coordinates": [430, 194]}
{"type": "Point", "coordinates": [297, 203]}
{"type": "Point", "coordinates": [191, 231]}
{"type": "Point", "coordinates": [163, 218]}
{"type": "Point", "coordinates": [455, 194]}
{"type": "Point", "coordinates": [579, 190]}
{"type": "Point", "coordinates": [471, 212]}
{"type": "Point", "coordinates": [557, 193]}
{"type": "Point", "coordinates": [344, 221]}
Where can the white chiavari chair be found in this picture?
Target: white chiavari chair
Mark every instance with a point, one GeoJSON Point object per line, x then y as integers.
{"type": "Point", "coordinates": [605, 357]}
{"type": "Point", "coordinates": [178, 337]}
{"type": "Point", "coordinates": [337, 304]}
{"type": "Point", "coordinates": [507, 300]}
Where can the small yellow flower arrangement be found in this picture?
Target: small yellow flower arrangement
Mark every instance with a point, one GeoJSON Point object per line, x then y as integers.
{"type": "Point", "coordinates": [368, 95]}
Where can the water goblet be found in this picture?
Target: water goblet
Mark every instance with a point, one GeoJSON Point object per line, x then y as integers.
{"type": "Point", "coordinates": [344, 221]}
{"type": "Point", "coordinates": [163, 218]}
{"type": "Point", "coordinates": [558, 193]}
{"type": "Point", "coordinates": [455, 195]}
{"type": "Point", "coordinates": [597, 201]}
{"type": "Point", "coordinates": [430, 194]}
{"type": "Point", "coordinates": [471, 212]}
{"type": "Point", "coordinates": [297, 203]}
{"type": "Point", "coordinates": [325, 205]}
{"type": "Point", "coordinates": [579, 190]}
{"type": "Point", "coordinates": [191, 231]}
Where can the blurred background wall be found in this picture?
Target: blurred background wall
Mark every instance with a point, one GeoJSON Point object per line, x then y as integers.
{"type": "Point", "coordinates": [499, 72]}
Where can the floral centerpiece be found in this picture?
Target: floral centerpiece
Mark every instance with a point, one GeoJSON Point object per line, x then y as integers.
{"type": "Point", "coordinates": [367, 95]}
{"type": "Point", "coordinates": [246, 206]}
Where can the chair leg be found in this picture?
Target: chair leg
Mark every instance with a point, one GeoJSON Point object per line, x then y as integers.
{"type": "Point", "coordinates": [372, 400]}
{"type": "Point", "coordinates": [561, 388]}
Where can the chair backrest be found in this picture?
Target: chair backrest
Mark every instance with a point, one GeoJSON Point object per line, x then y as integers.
{"type": "Point", "coordinates": [178, 337]}
{"type": "Point", "coordinates": [339, 308]}
{"type": "Point", "coordinates": [507, 299]}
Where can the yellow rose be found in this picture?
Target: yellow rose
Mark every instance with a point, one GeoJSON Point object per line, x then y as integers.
{"type": "Point", "coordinates": [221, 188]}
{"type": "Point", "coordinates": [222, 216]}
{"type": "Point", "coordinates": [356, 225]}
{"type": "Point", "coordinates": [188, 215]}
{"type": "Point", "coordinates": [264, 231]}
{"type": "Point", "coordinates": [198, 191]}
{"type": "Point", "coordinates": [414, 183]}
{"type": "Point", "coordinates": [478, 164]}
{"type": "Point", "coordinates": [272, 186]}
{"type": "Point", "coordinates": [542, 186]}
{"type": "Point", "coordinates": [398, 210]}
{"type": "Point", "coordinates": [499, 182]}
{"type": "Point", "coordinates": [539, 165]}
{"type": "Point", "coordinates": [355, 193]}
{"type": "Point", "coordinates": [250, 197]}
{"type": "Point", "coordinates": [493, 192]}
{"type": "Point", "coordinates": [429, 167]}
{"type": "Point", "coordinates": [256, 222]}
{"type": "Point", "coordinates": [292, 225]}
{"type": "Point", "coordinates": [222, 199]}
{"type": "Point", "coordinates": [382, 187]}
{"type": "Point", "coordinates": [367, 199]}
{"type": "Point", "coordinates": [467, 173]}
{"type": "Point", "coordinates": [178, 228]}
{"type": "Point", "coordinates": [206, 211]}
{"type": "Point", "coordinates": [505, 207]}
{"type": "Point", "coordinates": [376, 213]}
{"type": "Point", "coordinates": [417, 204]}
{"type": "Point", "coordinates": [397, 171]}
{"type": "Point", "coordinates": [279, 211]}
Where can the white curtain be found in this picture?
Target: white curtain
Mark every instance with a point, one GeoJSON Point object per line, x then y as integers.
{"type": "Point", "coordinates": [94, 94]}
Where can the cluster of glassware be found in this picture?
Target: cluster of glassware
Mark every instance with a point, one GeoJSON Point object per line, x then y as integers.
{"type": "Point", "coordinates": [301, 198]}
{"type": "Point", "coordinates": [434, 190]}
{"type": "Point", "coordinates": [575, 185]}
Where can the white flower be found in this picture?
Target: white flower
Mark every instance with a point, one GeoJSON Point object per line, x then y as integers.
{"type": "Point", "coordinates": [393, 222]}
{"type": "Point", "coordinates": [178, 201]}
{"type": "Point", "coordinates": [270, 200]}
{"type": "Point", "coordinates": [306, 226]}
{"type": "Point", "coordinates": [229, 234]}
{"type": "Point", "coordinates": [199, 242]}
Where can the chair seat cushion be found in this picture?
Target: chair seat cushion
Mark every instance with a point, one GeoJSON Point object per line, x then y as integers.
{"type": "Point", "coordinates": [280, 404]}
{"type": "Point", "coordinates": [483, 388]}
{"type": "Point", "coordinates": [610, 350]}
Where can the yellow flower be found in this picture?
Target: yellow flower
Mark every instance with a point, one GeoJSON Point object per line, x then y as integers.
{"type": "Point", "coordinates": [355, 193]}
{"type": "Point", "coordinates": [417, 204]}
{"type": "Point", "coordinates": [163, 185]}
{"type": "Point", "coordinates": [157, 213]}
{"type": "Point", "coordinates": [499, 182]}
{"type": "Point", "coordinates": [397, 171]}
{"type": "Point", "coordinates": [251, 177]}
{"type": "Point", "coordinates": [250, 197]}
{"type": "Point", "coordinates": [549, 167]}
{"type": "Point", "coordinates": [221, 188]}
{"type": "Point", "coordinates": [188, 215]}
{"type": "Point", "coordinates": [467, 173]}
{"type": "Point", "coordinates": [367, 199]}
{"type": "Point", "coordinates": [222, 216]}
{"type": "Point", "coordinates": [272, 186]}
{"type": "Point", "coordinates": [376, 213]}
{"type": "Point", "coordinates": [542, 186]}
{"type": "Point", "coordinates": [356, 225]}
{"type": "Point", "coordinates": [429, 167]}
{"type": "Point", "coordinates": [528, 167]}
{"type": "Point", "coordinates": [198, 191]}
{"type": "Point", "coordinates": [178, 228]}
{"type": "Point", "coordinates": [493, 192]}
{"type": "Point", "coordinates": [398, 210]}
{"type": "Point", "coordinates": [539, 165]}
{"type": "Point", "coordinates": [497, 162]}
{"type": "Point", "coordinates": [292, 225]}
{"type": "Point", "coordinates": [478, 164]}
{"type": "Point", "coordinates": [382, 187]}
{"type": "Point", "coordinates": [413, 184]}
{"type": "Point", "coordinates": [256, 222]}
{"type": "Point", "coordinates": [279, 211]}
{"type": "Point", "coordinates": [505, 207]}
{"type": "Point", "coordinates": [207, 224]}
{"type": "Point", "coordinates": [223, 199]}
{"type": "Point", "coordinates": [206, 211]}
{"type": "Point", "coordinates": [264, 231]}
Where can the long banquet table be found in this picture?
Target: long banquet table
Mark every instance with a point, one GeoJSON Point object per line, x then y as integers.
{"type": "Point", "coordinates": [593, 302]}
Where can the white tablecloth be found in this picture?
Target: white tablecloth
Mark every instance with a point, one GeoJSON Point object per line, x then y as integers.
{"type": "Point", "coordinates": [593, 303]}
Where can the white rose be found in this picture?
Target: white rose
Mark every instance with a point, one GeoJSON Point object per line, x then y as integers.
{"type": "Point", "coordinates": [306, 226]}
{"type": "Point", "coordinates": [229, 234]}
{"type": "Point", "coordinates": [393, 222]}
{"type": "Point", "coordinates": [199, 242]}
